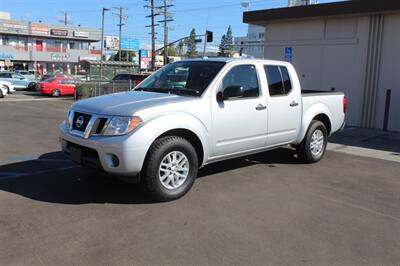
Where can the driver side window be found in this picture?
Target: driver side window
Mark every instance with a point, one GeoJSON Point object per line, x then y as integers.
{"type": "Point", "coordinates": [244, 76]}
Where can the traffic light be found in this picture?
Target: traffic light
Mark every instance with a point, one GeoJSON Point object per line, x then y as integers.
{"type": "Point", "coordinates": [209, 36]}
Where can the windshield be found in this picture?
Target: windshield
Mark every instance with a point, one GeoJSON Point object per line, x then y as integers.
{"type": "Point", "coordinates": [186, 77]}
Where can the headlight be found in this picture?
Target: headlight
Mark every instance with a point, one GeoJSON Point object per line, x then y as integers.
{"type": "Point", "coordinates": [69, 119]}
{"type": "Point", "coordinates": [120, 125]}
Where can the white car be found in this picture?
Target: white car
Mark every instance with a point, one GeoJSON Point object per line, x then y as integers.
{"type": "Point", "coordinates": [3, 91]}
{"type": "Point", "coordinates": [8, 86]}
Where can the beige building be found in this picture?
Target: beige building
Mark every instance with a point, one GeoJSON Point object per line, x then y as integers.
{"type": "Point", "coordinates": [351, 46]}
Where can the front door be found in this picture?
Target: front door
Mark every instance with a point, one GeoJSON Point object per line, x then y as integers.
{"type": "Point", "coordinates": [239, 124]}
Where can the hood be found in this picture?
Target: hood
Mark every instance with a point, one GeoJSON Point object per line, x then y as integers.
{"type": "Point", "coordinates": [126, 103]}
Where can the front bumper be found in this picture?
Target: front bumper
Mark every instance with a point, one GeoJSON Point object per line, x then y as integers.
{"type": "Point", "coordinates": [119, 155]}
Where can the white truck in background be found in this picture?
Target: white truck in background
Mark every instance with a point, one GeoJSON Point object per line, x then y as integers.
{"type": "Point", "coordinates": [195, 112]}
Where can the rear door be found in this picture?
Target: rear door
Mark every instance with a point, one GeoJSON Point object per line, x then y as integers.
{"type": "Point", "coordinates": [284, 106]}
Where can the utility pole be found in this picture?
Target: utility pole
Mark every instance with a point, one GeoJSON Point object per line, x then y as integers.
{"type": "Point", "coordinates": [121, 19]}
{"type": "Point", "coordinates": [65, 18]}
{"type": "Point", "coordinates": [167, 18]}
{"type": "Point", "coordinates": [153, 32]}
{"type": "Point", "coordinates": [102, 42]}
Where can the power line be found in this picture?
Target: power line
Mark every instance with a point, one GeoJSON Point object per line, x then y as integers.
{"type": "Point", "coordinates": [121, 19]}
{"type": "Point", "coordinates": [167, 18]}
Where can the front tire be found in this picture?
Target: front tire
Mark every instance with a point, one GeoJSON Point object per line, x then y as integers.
{"type": "Point", "coordinates": [170, 168]}
{"type": "Point", "coordinates": [55, 93]}
{"type": "Point", "coordinates": [313, 147]}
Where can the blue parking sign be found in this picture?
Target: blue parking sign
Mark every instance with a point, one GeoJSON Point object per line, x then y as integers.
{"type": "Point", "coordinates": [288, 54]}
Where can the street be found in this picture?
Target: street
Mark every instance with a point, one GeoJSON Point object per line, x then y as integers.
{"type": "Point", "coordinates": [263, 209]}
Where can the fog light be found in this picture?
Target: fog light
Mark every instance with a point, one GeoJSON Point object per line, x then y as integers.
{"type": "Point", "coordinates": [114, 160]}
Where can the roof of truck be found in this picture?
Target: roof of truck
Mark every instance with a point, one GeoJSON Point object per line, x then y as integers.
{"type": "Point", "coordinates": [228, 59]}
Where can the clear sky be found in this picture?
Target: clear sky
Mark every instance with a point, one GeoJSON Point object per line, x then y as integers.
{"type": "Point", "coordinates": [216, 15]}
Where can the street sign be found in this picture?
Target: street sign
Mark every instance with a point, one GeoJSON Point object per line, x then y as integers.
{"type": "Point", "coordinates": [130, 44]}
{"type": "Point", "coordinates": [288, 54]}
{"type": "Point", "coordinates": [199, 40]}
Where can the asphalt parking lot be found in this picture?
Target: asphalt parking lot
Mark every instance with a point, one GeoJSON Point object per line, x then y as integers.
{"type": "Point", "coordinates": [263, 209]}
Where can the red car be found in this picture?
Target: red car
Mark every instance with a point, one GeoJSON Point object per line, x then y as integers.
{"type": "Point", "coordinates": [57, 86]}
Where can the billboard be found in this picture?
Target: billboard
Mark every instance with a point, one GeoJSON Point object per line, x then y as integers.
{"type": "Point", "coordinates": [38, 28]}
{"type": "Point", "coordinates": [112, 43]}
{"type": "Point", "coordinates": [130, 44]}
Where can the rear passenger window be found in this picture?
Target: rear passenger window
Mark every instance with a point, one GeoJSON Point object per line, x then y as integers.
{"type": "Point", "coordinates": [279, 83]}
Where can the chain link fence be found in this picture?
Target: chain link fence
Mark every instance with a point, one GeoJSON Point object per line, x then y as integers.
{"type": "Point", "coordinates": [88, 89]}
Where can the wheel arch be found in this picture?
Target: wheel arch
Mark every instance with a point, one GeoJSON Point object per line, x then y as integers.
{"type": "Point", "coordinates": [190, 136]}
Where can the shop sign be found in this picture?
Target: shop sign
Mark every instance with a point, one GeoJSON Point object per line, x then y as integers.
{"type": "Point", "coordinates": [37, 28]}
{"type": "Point", "coordinates": [6, 56]}
{"type": "Point", "coordinates": [60, 57]}
{"type": "Point", "coordinates": [88, 58]}
{"type": "Point", "coordinates": [82, 34]}
{"type": "Point", "coordinates": [57, 32]}
{"type": "Point", "coordinates": [112, 42]}
{"type": "Point", "coordinates": [130, 44]}
{"type": "Point", "coordinates": [13, 27]}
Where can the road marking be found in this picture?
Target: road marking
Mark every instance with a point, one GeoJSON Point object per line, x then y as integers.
{"type": "Point", "coordinates": [13, 175]}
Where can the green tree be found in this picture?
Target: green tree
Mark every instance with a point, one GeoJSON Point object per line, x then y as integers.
{"type": "Point", "coordinates": [191, 44]}
{"type": "Point", "coordinates": [124, 54]}
{"type": "Point", "coordinates": [226, 46]}
{"type": "Point", "coordinates": [229, 42]}
{"type": "Point", "coordinates": [222, 52]}
{"type": "Point", "coordinates": [180, 47]}
{"type": "Point", "coordinates": [171, 51]}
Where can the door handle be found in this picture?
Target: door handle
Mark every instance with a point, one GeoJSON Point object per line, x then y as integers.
{"type": "Point", "coordinates": [294, 104]}
{"type": "Point", "coordinates": [261, 107]}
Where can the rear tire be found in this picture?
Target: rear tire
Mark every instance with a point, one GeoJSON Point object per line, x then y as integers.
{"type": "Point", "coordinates": [313, 147]}
{"type": "Point", "coordinates": [55, 93]}
{"type": "Point", "coordinates": [32, 87]}
{"type": "Point", "coordinates": [170, 168]}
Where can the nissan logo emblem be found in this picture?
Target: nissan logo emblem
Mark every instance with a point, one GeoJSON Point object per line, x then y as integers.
{"type": "Point", "coordinates": [79, 121]}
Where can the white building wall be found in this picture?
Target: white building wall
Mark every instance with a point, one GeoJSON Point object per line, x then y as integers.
{"type": "Point", "coordinates": [332, 53]}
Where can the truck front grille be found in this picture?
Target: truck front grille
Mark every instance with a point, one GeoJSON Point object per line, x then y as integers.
{"type": "Point", "coordinates": [80, 121]}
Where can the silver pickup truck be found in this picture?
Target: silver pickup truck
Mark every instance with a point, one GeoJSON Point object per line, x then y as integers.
{"type": "Point", "coordinates": [195, 112]}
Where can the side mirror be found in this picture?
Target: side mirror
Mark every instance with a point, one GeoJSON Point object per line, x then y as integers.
{"type": "Point", "coordinates": [233, 92]}
{"type": "Point", "coordinates": [21, 78]}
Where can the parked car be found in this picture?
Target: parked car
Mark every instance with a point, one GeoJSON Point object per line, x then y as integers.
{"type": "Point", "coordinates": [57, 86]}
{"type": "Point", "coordinates": [160, 134]}
{"type": "Point", "coordinates": [7, 86]}
{"type": "Point", "coordinates": [19, 81]}
{"type": "Point", "coordinates": [27, 74]}
{"type": "Point", "coordinates": [53, 75]}
{"type": "Point", "coordinates": [3, 91]}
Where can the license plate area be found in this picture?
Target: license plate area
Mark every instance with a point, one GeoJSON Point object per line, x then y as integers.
{"type": "Point", "coordinates": [75, 154]}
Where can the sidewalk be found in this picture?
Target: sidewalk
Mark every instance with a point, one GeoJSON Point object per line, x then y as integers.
{"type": "Point", "coordinates": [367, 142]}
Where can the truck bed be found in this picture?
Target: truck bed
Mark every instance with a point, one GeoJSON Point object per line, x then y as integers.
{"type": "Point", "coordinates": [306, 93]}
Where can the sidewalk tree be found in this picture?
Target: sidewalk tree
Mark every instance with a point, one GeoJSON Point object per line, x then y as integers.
{"type": "Point", "coordinates": [191, 44]}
